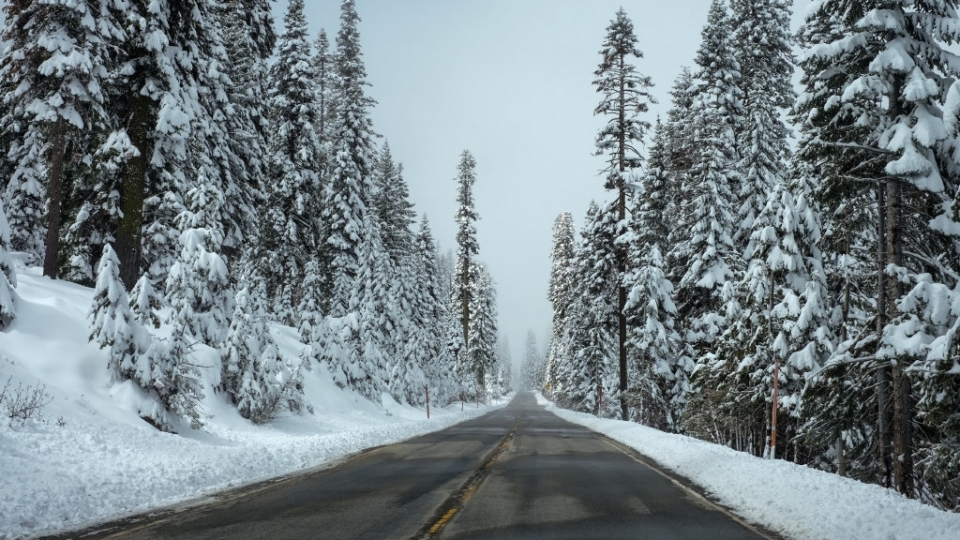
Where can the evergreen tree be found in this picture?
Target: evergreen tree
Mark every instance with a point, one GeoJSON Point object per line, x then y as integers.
{"type": "Point", "coordinates": [706, 258]}
{"type": "Point", "coordinates": [762, 42]}
{"type": "Point", "coordinates": [560, 294]}
{"type": "Point", "coordinates": [350, 188]}
{"type": "Point", "coordinates": [291, 232]}
{"type": "Point", "coordinates": [249, 42]}
{"type": "Point", "coordinates": [659, 382]}
{"type": "Point", "coordinates": [258, 380]}
{"type": "Point", "coordinates": [626, 95]}
{"type": "Point", "coordinates": [481, 360]}
{"type": "Point", "coordinates": [467, 247]}
{"type": "Point", "coordinates": [56, 81]}
{"type": "Point", "coordinates": [432, 312]}
{"type": "Point", "coordinates": [591, 328]}
{"type": "Point", "coordinates": [198, 285]}
{"type": "Point", "coordinates": [392, 206]}
{"type": "Point", "coordinates": [323, 63]}
{"type": "Point", "coordinates": [8, 276]}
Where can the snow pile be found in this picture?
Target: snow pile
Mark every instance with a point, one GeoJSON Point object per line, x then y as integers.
{"type": "Point", "coordinates": [92, 459]}
{"type": "Point", "coordinates": [799, 502]}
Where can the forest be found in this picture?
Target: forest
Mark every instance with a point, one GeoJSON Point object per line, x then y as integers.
{"type": "Point", "coordinates": [208, 177]}
{"type": "Point", "coordinates": [777, 268]}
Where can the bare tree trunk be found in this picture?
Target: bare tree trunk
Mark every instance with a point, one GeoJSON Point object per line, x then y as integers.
{"type": "Point", "coordinates": [129, 231]}
{"type": "Point", "coordinates": [621, 251]}
{"type": "Point", "coordinates": [51, 254]}
{"type": "Point", "coordinates": [901, 390]}
{"type": "Point", "coordinates": [884, 413]}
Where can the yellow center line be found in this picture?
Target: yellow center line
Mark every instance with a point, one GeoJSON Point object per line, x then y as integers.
{"type": "Point", "coordinates": [443, 521]}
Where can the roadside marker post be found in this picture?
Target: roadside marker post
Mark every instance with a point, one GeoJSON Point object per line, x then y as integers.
{"type": "Point", "coordinates": [427, 388]}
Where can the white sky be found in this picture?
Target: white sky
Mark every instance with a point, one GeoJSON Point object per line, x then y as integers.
{"type": "Point", "coordinates": [510, 80]}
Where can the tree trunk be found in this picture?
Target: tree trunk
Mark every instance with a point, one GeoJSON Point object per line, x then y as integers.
{"type": "Point", "coordinates": [621, 250]}
{"type": "Point", "coordinates": [884, 414]}
{"type": "Point", "coordinates": [57, 142]}
{"type": "Point", "coordinates": [901, 390]}
{"type": "Point", "coordinates": [129, 230]}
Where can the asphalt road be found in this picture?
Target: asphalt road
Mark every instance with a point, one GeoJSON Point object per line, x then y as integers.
{"type": "Point", "coordinates": [516, 473]}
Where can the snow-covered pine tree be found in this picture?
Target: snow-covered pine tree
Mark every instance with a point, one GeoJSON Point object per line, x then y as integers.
{"type": "Point", "coordinates": [291, 232]}
{"type": "Point", "coordinates": [145, 303]}
{"type": "Point", "coordinates": [392, 206]}
{"type": "Point", "coordinates": [249, 42]}
{"type": "Point", "coordinates": [659, 381]}
{"type": "Point", "coordinates": [839, 410]}
{"type": "Point", "coordinates": [133, 354]}
{"type": "Point", "coordinates": [257, 378]}
{"type": "Point", "coordinates": [56, 80]}
{"type": "Point", "coordinates": [431, 313]}
{"type": "Point", "coordinates": [560, 294]}
{"type": "Point", "coordinates": [591, 329]}
{"type": "Point", "coordinates": [8, 276]}
{"type": "Point", "coordinates": [533, 369]}
{"type": "Point", "coordinates": [763, 49]}
{"type": "Point", "coordinates": [325, 74]}
{"type": "Point", "coordinates": [625, 95]}
{"type": "Point", "coordinates": [678, 130]}
{"type": "Point", "coordinates": [706, 257]}
{"type": "Point", "coordinates": [169, 97]}
{"type": "Point", "coordinates": [481, 360]}
{"type": "Point", "coordinates": [197, 287]}
{"type": "Point", "coordinates": [467, 247]}
{"type": "Point", "coordinates": [907, 140]}
{"type": "Point", "coordinates": [360, 361]}
{"type": "Point", "coordinates": [350, 187]}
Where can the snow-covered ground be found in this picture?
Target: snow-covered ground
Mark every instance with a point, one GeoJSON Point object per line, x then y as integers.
{"type": "Point", "coordinates": [92, 459]}
{"type": "Point", "coordinates": [796, 501]}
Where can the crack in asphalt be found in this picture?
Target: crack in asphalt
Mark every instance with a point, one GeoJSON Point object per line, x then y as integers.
{"type": "Point", "coordinates": [456, 501]}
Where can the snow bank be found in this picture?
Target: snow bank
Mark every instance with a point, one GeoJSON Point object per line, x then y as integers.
{"type": "Point", "coordinates": [92, 459]}
{"type": "Point", "coordinates": [793, 500]}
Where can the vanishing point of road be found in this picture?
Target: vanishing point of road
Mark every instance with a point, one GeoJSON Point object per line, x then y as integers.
{"type": "Point", "coordinates": [519, 472]}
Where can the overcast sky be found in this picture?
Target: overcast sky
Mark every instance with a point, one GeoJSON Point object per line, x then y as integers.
{"type": "Point", "coordinates": [509, 80]}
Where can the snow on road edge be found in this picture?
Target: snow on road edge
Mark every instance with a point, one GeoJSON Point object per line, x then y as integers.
{"type": "Point", "coordinates": [793, 500]}
{"type": "Point", "coordinates": [58, 479]}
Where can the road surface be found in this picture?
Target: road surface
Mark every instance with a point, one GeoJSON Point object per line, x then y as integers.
{"type": "Point", "coordinates": [516, 473]}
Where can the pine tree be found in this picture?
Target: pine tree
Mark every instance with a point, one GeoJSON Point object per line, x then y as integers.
{"type": "Point", "coordinates": [560, 294]}
{"type": "Point", "coordinates": [626, 95]}
{"type": "Point", "coordinates": [391, 204]}
{"type": "Point", "coordinates": [591, 328]}
{"type": "Point", "coordinates": [481, 359]}
{"type": "Point", "coordinates": [706, 258]}
{"type": "Point", "coordinates": [432, 313]}
{"type": "Point", "coordinates": [902, 146]}
{"type": "Point", "coordinates": [467, 247]}
{"type": "Point", "coordinates": [249, 42]}
{"type": "Point", "coordinates": [169, 98]}
{"type": "Point", "coordinates": [326, 83]}
{"type": "Point", "coordinates": [762, 41]}
{"type": "Point", "coordinates": [8, 276]}
{"type": "Point", "coordinates": [256, 377]}
{"type": "Point", "coordinates": [56, 80]}
{"type": "Point", "coordinates": [197, 286]}
{"type": "Point", "coordinates": [350, 188]}
{"type": "Point", "coordinates": [659, 382]}
{"type": "Point", "coordinates": [291, 232]}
